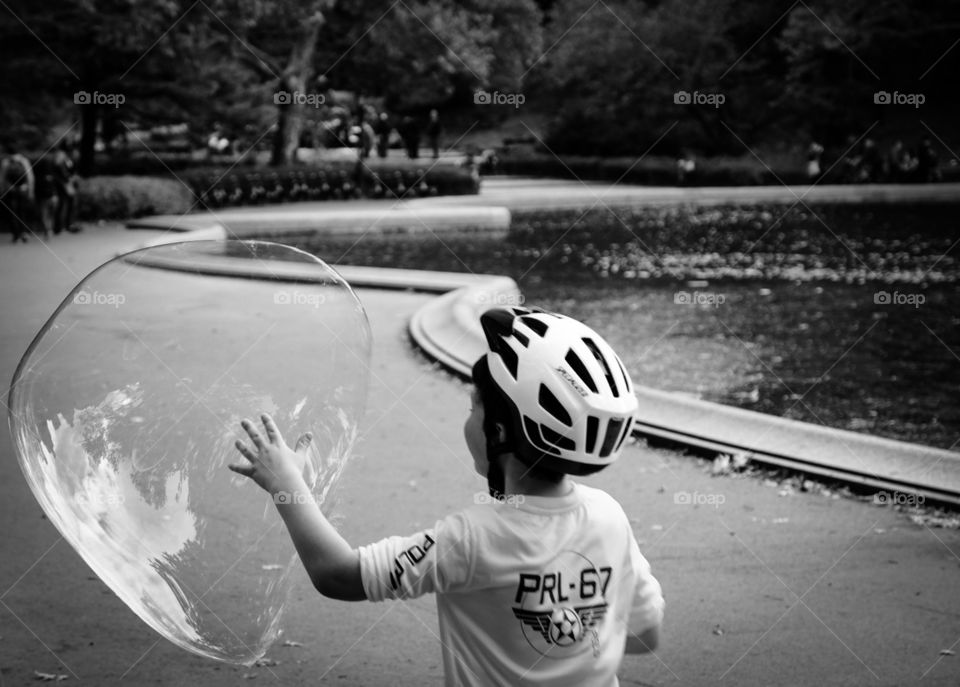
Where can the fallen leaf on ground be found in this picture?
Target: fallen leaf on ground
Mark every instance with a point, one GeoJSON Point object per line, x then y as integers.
{"type": "Point", "coordinates": [290, 642]}
{"type": "Point", "coordinates": [49, 677]}
{"type": "Point", "coordinates": [947, 652]}
{"type": "Point", "coordinates": [272, 566]}
{"type": "Point", "coordinates": [265, 662]}
{"type": "Point", "coordinates": [721, 465]}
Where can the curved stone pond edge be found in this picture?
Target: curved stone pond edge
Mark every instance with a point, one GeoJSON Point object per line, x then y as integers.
{"type": "Point", "coordinates": [447, 330]}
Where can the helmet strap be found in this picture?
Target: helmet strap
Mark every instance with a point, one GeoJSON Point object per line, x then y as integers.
{"type": "Point", "coordinates": [496, 480]}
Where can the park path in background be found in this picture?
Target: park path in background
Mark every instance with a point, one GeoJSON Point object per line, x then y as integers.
{"type": "Point", "coordinates": [761, 588]}
{"type": "Point", "coordinates": [531, 193]}
{"type": "Point", "coordinates": [525, 193]}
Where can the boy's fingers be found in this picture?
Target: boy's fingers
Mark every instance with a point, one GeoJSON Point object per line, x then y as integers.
{"type": "Point", "coordinates": [304, 441]}
{"type": "Point", "coordinates": [273, 434]}
{"type": "Point", "coordinates": [252, 433]}
{"type": "Point", "coordinates": [244, 451]}
{"type": "Point", "coordinates": [245, 470]}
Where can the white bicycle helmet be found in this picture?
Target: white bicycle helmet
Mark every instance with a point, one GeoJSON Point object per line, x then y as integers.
{"type": "Point", "coordinates": [569, 397]}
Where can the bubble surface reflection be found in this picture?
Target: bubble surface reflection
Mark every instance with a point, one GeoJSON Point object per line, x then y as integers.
{"type": "Point", "coordinates": [125, 408]}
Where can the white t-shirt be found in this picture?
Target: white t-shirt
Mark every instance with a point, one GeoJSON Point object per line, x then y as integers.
{"type": "Point", "coordinates": [534, 591]}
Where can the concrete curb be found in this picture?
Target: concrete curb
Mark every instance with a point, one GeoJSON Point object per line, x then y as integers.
{"type": "Point", "coordinates": [448, 329]}
{"type": "Point", "coordinates": [388, 218]}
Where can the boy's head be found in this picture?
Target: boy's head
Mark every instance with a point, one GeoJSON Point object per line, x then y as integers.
{"type": "Point", "coordinates": [553, 394]}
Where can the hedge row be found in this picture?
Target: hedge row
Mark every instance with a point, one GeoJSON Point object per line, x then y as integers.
{"type": "Point", "coordinates": [333, 181]}
{"type": "Point", "coordinates": [124, 197]}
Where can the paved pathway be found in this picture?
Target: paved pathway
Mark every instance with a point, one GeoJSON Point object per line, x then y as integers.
{"type": "Point", "coordinates": [521, 192]}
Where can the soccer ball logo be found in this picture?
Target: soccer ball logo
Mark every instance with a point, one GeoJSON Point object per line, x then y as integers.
{"type": "Point", "coordinates": [565, 626]}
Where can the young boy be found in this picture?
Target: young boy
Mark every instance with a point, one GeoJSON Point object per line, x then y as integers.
{"type": "Point", "coordinates": [546, 584]}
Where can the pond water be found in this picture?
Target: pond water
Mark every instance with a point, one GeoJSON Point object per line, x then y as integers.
{"type": "Point", "coordinates": [823, 353]}
{"type": "Point", "coordinates": [845, 316]}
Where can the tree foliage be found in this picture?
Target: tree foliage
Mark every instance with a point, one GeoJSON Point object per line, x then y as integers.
{"type": "Point", "coordinates": [786, 70]}
{"type": "Point", "coordinates": [224, 60]}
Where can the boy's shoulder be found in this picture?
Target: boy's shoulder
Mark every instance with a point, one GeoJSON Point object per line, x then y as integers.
{"type": "Point", "coordinates": [595, 493]}
{"type": "Point", "coordinates": [602, 505]}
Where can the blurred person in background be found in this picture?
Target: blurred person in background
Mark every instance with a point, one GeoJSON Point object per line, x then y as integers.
{"type": "Point", "coordinates": [928, 164]}
{"type": "Point", "coordinates": [56, 190]}
{"type": "Point", "coordinates": [17, 193]}
{"type": "Point", "coordinates": [382, 129]}
{"type": "Point", "coordinates": [814, 153]}
{"type": "Point", "coordinates": [433, 132]}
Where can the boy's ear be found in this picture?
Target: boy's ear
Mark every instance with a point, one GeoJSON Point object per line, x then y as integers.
{"type": "Point", "coordinates": [501, 432]}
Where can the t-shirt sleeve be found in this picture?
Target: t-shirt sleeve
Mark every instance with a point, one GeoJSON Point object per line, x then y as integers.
{"type": "Point", "coordinates": [648, 604]}
{"type": "Point", "coordinates": [438, 559]}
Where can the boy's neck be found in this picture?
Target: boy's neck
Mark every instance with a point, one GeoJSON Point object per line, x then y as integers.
{"type": "Point", "coordinates": [517, 480]}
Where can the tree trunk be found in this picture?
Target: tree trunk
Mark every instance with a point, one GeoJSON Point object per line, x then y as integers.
{"type": "Point", "coordinates": [293, 83]}
{"type": "Point", "coordinates": [89, 115]}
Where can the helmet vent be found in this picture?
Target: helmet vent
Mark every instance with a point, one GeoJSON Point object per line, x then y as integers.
{"type": "Point", "coordinates": [626, 377]}
{"type": "Point", "coordinates": [533, 433]}
{"type": "Point", "coordinates": [553, 406]}
{"type": "Point", "coordinates": [509, 357]}
{"type": "Point", "coordinates": [626, 433]}
{"type": "Point", "coordinates": [603, 363]}
{"type": "Point", "coordinates": [557, 439]}
{"type": "Point", "coordinates": [610, 439]}
{"type": "Point", "coordinates": [593, 424]}
{"type": "Point", "coordinates": [573, 360]}
{"type": "Point", "coordinates": [539, 326]}
{"type": "Point", "coordinates": [522, 338]}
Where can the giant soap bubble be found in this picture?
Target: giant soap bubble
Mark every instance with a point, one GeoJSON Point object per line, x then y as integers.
{"type": "Point", "coordinates": [125, 408]}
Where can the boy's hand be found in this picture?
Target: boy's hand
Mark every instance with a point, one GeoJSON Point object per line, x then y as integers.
{"type": "Point", "coordinates": [273, 465]}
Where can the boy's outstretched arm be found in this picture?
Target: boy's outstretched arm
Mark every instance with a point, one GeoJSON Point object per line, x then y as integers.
{"type": "Point", "coordinates": [333, 565]}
